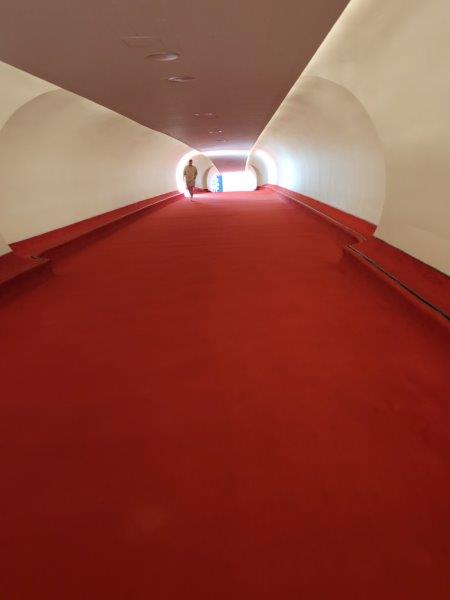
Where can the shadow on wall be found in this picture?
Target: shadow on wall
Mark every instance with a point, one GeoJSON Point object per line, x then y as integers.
{"type": "Point", "coordinates": [325, 146]}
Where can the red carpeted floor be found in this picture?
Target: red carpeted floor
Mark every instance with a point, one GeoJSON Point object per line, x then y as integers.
{"type": "Point", "coordinates": [214, 402]}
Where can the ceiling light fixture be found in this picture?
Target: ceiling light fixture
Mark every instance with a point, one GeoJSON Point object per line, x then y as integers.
{"type": "Point", "coordinates": [216, 131]}
{"type": "Point", "coordinates": [180, 78]}
{"type": "Point", "coordinates": [207, 115]}
{"type": "Point", "coordinates": [163, 56]}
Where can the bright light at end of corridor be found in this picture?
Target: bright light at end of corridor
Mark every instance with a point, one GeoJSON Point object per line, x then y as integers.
{"type": "Point", "coordinates": [208, 153]}
{"type": "Point", "coordinates": [233, 181]}
{"type": "Point", "coordinates": [239, 181]}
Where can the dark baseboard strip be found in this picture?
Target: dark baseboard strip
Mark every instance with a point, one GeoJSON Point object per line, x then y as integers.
{"type": "Point", "coordinates": [392, 277]}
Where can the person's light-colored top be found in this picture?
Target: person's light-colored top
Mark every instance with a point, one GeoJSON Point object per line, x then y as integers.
{"type": "Point", "coordinates": [190, 175]}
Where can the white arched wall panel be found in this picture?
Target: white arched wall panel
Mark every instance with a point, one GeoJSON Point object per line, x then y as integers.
{"type": "Point", "coordinates": [64, 159]}
{"type": "Point", "coordinates": [264, 165]}
{"type": "Point", "coordinates": [393, 58]}
{"type": "Point", "coordinates": [17, 88]}
{"type": "Point", "coordinates": [204, 165]}
{"type": "Point", "coordinates": [405, 87]}
{"type": "Point", "coordinates": [326, 147]}
{"type": "Point", "coordinates": [4, 248]}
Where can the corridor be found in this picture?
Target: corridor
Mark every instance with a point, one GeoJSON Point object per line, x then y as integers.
{"type": "Point", "coordinates": [199, 404]}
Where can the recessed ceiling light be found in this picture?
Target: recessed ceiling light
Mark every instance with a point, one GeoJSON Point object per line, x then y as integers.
{"type": "Point", "coordinates": [163, 56]}
{"type": "Point", "coordinates": [207, 115]}
{"type": "Point", "coordinates": [139, 41]}
{"type": "Point", "coordinates": [180, 78]}
{"type": "Point", "coordinates": [216, 131]}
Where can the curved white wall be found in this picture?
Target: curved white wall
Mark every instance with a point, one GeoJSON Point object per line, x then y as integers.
{"type": "Point", "coordinates": [392, 59]}
{"type": "Point", "coordinates": [17, 88]}
{"type": "Point", "coordinates": [4, 248]}
{"type": "Point", "coordinates": [326, 147]}
{"type": "Point", "coordinates": [64, 158]}
{"type": "Point", "coordinates": [204, 165]}
{"type": "Point", "coordinates": [264, 165]}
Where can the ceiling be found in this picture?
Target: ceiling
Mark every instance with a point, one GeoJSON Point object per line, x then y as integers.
{"type": "Point", "coordinates": [245, 55]}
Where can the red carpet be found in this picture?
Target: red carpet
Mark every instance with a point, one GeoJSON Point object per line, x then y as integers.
{"type": "Point", "coordinates": [431, 284]}
{"type": "Point", "coordinates": [214, 402]}
{"type": "Point", "coordinates": [53, 239]}
{"type": "Point", "coordinates": [420, 279]}
{"type": "Point", "coordinates": [24, 263]}
{"type": "Point", "coordinates": [13, 266]}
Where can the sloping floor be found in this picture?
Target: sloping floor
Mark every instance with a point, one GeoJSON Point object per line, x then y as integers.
{"type": "Point", "coordinates": [215, 402]}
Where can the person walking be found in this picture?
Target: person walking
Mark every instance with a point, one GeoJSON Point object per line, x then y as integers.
{"type": "Point", "coordinates": [190, 175]}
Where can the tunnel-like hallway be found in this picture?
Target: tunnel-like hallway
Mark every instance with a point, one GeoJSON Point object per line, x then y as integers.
{"type": "Point", "coordinates": [199, 403]}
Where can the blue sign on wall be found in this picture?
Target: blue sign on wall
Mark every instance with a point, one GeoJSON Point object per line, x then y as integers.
{"type": "Point", "coordinates": [217, 185]}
